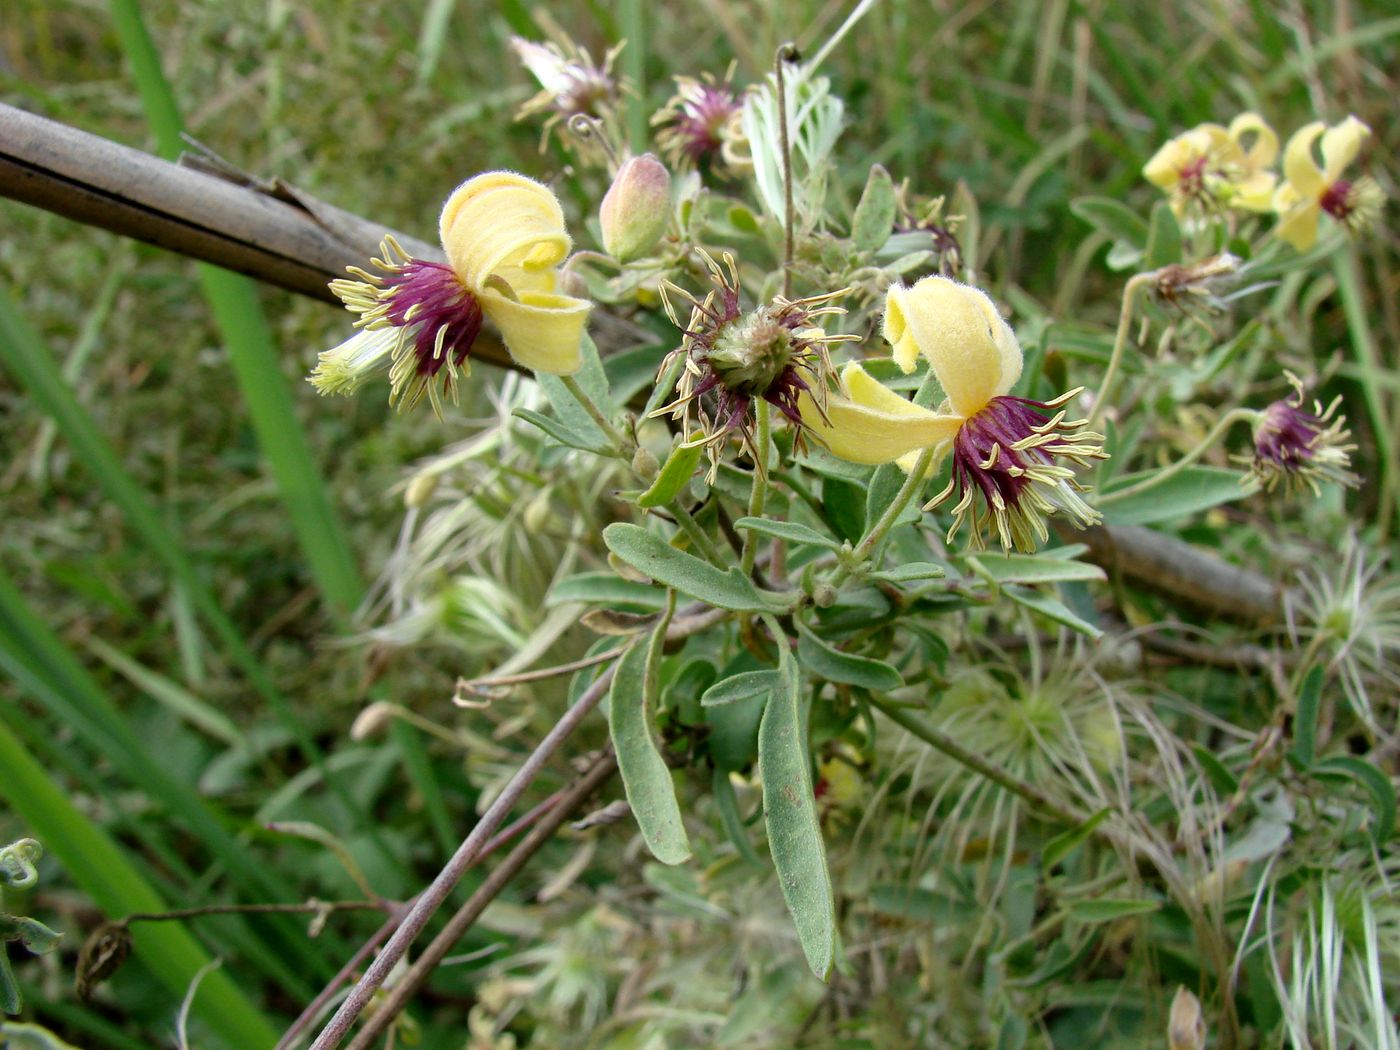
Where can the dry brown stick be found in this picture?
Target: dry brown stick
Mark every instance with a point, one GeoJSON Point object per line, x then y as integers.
{"type": "Point", "coordinates": [457, 926]}
{"type": "Point", "coordinates": [269, 231]}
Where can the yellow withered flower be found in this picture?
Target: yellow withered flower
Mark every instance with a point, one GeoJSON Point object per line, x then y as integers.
{"type": "Point", "coordinates": [504, 238]}
{"type": "Point", "coordinates": [1310, 189]}
{"type": "Point", "coordinates": [1008, 452]}
{"type": "Point", "coordinates": [1214, 166]}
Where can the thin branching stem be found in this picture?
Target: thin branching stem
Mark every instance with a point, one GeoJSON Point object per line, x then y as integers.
{"type": "Point", "coordinates": [595, 413]}
{"type": "Point", "coordinates": [1229, 419]}
{"type": "Point", "coordinates": [785, 53]}
{"type": "Point", "coordinates": [913, 484]}
{"type": "Point", "coordinates": [1120, 343]}
{"type": "Point", "coordinates": [758, 494]}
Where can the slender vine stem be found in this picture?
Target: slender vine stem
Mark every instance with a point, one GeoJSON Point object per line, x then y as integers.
{"type": "Point", "coordinates": [697, 536]}
{"type": "Point", "coordinates": [1120, 343]}
{"type": "Point", "coordinates": [758, 494]}
{"type": "Point", "coordinates": [785, 52]}
{"type": "Point", "coordinates": [595, 413]}
{"type": "Point", "coordinates": [1229, 419]}
{"type": "Point", "coordinates": [913, 484]}
{"type": "Point", "coordinates": [945, 743]}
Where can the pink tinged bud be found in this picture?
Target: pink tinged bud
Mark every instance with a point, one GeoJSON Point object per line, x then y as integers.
{"type": "Point", "coordinates": [636, 208]}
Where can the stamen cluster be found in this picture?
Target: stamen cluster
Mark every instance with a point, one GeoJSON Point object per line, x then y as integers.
{"type": "Point", "coordinates": [732, 357]}
{"type": "Point", "coordinates": [1008, 475]}
{"type": "Point", "coordinates": [1300, 448]}
{"type": "Point", "coordinates": [417, 320]}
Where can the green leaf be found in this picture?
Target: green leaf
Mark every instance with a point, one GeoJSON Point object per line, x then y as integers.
{"type": "Point", "coordinates": [1305, 720]}
{"type": "Point", "coordinates": [738, 687]}
{"type": "Point", "coordinates": [33, 934]}
{"type": "Point", "coordinates": [790, 812]}
{"type": "Point", "coordinates": [1187, 492]}
{"type": "Point", "coordinates": [1381, 789]}
{"type": "Point", "coordinates": [826, 661]}
{"type": "Point", "coordinates": [843, 503]}
{"type": "Point", "coordinates": [650, 554]}
{"type": "Point", "coordinates": [678, 469]}
{"type": "Point", "coordinates": [728, 806]}
{"type": "Point", "coordinates": [1051, 607]}
{"type": "Point", "coordinates": [1064, 844]}
{"type": "Point", "coordinates": [1113, 218]}
{"type": "Point", "coordinates": [11, 1002]}
{"type": "Point", "coordinates": [632, 371]}
{"type": "Point", "coordinates": [875, 213]}
{"type": "Point", "coordinates": [1221, 779]}
{"type": "Point", "coordinates": [911, 572]}
{"type": "Point", "coordinates": [605, 588]}
{"type": "Point", "coordinates": [1163, 238]}
{"type": "Point", "coordinates": [594, 382]}
{"type": "Point", "coordinates": [792, 531]}
{"type": "Point", "coordinates": [1024, 568]}
{"type": "Point", "coordinates": [561, 433]}
{"type": "Point", "coordinates": [917, 903]}
{"type": "Point", "coordinates": [1108, 909]}
{"type": "Point", "coordinates": [650, 791]}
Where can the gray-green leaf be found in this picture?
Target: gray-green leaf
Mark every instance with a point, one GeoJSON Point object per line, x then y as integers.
{"type": "Point", "coordinates": [650, 554]}
{"type": "Point", "coordinates": [826, 661]}
{"type": "Point", "coordinates": [874, 216]}
{"type": "Point", "coordinates": [738, 687]}
{"type": "Point", "coordinates": [645, 776]}
{"type": "Point", "coordinates": [792, 531]}
{"type": "Point", "coordinates": [679, 467]}
{"type": "Point", "coordinates": [790, 813]}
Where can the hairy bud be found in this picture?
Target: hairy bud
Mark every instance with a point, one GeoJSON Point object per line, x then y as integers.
{"type": "Point", "coordinates": [636, 208]}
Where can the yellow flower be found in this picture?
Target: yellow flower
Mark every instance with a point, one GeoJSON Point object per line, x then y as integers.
{"type": "Point", "coordinates": [1310, 189]}
{"type": "Point", "coordinates": [504, 237]}
{"type": "Point", "coordinates": [1004, 448]}
{"type": "Point", "coordinates": [1210, 165]}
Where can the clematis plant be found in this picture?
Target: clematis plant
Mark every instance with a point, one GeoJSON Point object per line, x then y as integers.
{"type": "Point", "coordinates": [1312, 190]}
{"type": "Point", "coordinates": [504, 238]}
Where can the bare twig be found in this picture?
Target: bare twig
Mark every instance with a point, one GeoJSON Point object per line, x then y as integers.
{"type": "Point", "coordinates": [422, 968]}
{"type": "Point", "coordinates": [265, 229]}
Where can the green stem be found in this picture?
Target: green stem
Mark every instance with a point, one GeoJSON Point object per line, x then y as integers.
{"type": "Point", "coordinates": [1229, 419]}
{"type": "Point", "coordinates": [595, 413]}
{"type": "Point", "coordinates": [1120, 342]}
{"type": "Point", "coordinates": [697, 536]}
{"type": "Point", "coordinates": [913, 484]}
{"type": "Point", "coordinates": [758, 494]}
{"type": "Point", "coordinates": [943, 742]}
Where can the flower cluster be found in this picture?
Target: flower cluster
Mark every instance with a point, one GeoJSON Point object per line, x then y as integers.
{"type": "Point", "coordinates": [732, 357]}
{"type": "Point", "coordinates": [503, 235]}
{"type": "Point", "coordinates": [1213, 168]}
{"type": "Point", "coordinates": [1009, 454]}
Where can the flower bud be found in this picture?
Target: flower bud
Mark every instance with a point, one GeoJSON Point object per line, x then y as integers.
{"type": "Point", "coordinates": [645, 464]}
{"type": "Point", "coordinates": [636, 208]}
{"type": "Point", "coordinates": [1186, 1028]}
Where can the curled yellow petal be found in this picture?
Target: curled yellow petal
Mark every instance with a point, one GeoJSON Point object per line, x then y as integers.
{"type": "Point", "coordinates": [541, 330]}
{"type": "Point", "coordinates": [501, 220]}
{"type": "Point", "coordinates": [874, 424]}
{"type": "Point", "coordinates": [971, 349]}
{"type": "Point", "coordinates": [1298, 224]}
{"type": "Point", "coordinates": [1263, 151]}
{"type": "Point", "coordinates": [1254, 192]}
{"type": "Point", "coordinates": [1340, 145]}
{"type": "Point", "coordinates": [1164, 169]}
{"type": "Point", "coordinates": [1299, 167]}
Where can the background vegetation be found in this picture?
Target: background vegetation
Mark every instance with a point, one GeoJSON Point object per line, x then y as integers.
{"type": "Point", "coordinates": [179, 663]}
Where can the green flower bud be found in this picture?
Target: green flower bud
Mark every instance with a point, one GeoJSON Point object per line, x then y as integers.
{"type": "Point", "coordinates": [636, 208]}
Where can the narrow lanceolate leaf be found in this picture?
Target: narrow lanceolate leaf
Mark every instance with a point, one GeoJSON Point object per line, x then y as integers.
{"type": "Point", "coordinates": [650, 554]}
{"type": "Point", "coordinates": [1052, 608]}
{"type": "Point", "coordinates": [790, 812]}
{"type": "Point", "coordinates": [650, 791]}
{"type": "Point", "coordinates": [738, 687]}
{"type": "Point", "coordinates": [1305, 721]}
{"type": "Point", "coordinates": [605, 588]}
{"type": "Point", "coordinates": [826, 661]}
{"type": "Point", "coordinates": [792, 531]}
{"type": "Point", "coordinates": [1024, 568]}
{"type": "Point", "coordinates": [675, 472]}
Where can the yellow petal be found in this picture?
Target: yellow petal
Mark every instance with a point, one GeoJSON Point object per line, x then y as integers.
{"type": "Point", "coordinates": [874, 425]}
{"type": "Point", "coordinates": [1164, 169]}
{"type": "Point", "coordinates": [971, 349]}
{"type": "Point", "coordinates": [1254, 192]}
{"type": "Point", "coordinates": [1340, 145]}
{"type": "Point", "coordinates": [542, 331]}
{"type": "Point", "coordinates": [1298, 225]}
{"type": "Point", "coordinates": [1299, 168]}
{"type": "Point", "coordinates": [1263, 151]}
{"type": "Point", "coordinates": [502, 220]}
